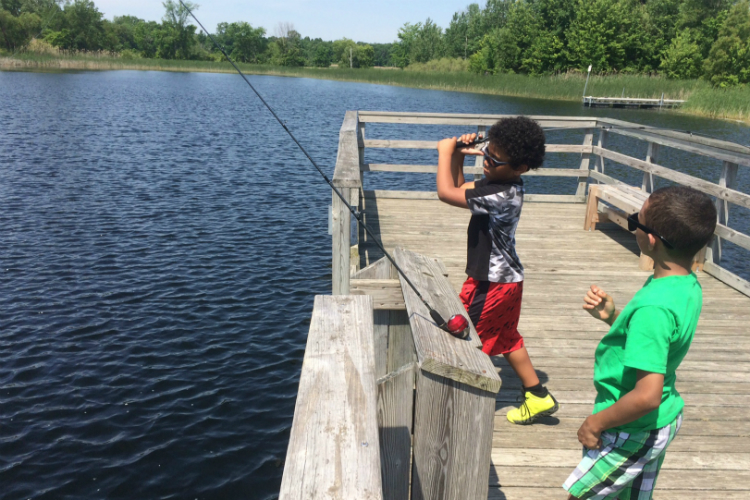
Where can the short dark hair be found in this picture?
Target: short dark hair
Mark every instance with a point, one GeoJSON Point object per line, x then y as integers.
{"type": "Point", "coordinates": [521, 138]}
{"type": "Point", "coordinates": [683, 216]}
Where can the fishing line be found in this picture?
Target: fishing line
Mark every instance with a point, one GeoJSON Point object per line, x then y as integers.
{"type": "Point", "coordinates": [457, 325]}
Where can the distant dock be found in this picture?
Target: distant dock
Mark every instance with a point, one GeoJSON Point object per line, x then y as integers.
{"type": "Point", "coordinates": [629, 102]}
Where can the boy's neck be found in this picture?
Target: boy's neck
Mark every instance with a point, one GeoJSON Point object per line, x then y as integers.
{"type": "Point", "coordinates": [664, 268]}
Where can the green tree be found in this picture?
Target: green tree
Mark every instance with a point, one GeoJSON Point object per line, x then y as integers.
{"type": "Point", "coordinates": [605, 34]}
{"type": "Point", "coordinates": [682, 59]}
{"type": "Point", "coordinates": [176, 38]}
{"type": "Point", "coordinates": [728, 62]}
{"type": "Point", "coordinates": [402, 49]}
{"type": "Point", "coordinates": [241, 41]}
{"type": "Point", "coordinates": [323, 56]}
{"type": "Point", "coordinates": [82, 27]}
{"type": "Point", "coordinates": [17, 31]}
{"type": "Point", "coordinates": [285, 49]}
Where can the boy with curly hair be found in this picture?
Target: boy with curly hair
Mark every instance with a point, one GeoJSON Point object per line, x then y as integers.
{"type": "Point", "coordinates": [493, 290]}
{"type": "Point", "coordinates": [638, 411]}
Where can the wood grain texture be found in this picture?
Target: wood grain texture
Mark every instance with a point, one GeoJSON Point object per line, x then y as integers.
{"type": "Point", "coordinates": [386, 294]}
{"type": "Point", "coordinates": [437, 351]}
{"type": "Point", "coordinates": [333, 448]}
{"type": "Point", "coordinates": [346, 171]}
{"type": "Point", "coordinates": [452, 440]}
{"type": "Point", "coordinates": [396, 408]}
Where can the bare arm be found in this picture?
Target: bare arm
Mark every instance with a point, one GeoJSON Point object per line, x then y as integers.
{"type": "Point", "coordinates": [451, 184]}
{"type": "Point", "coordinates": [642, 400]}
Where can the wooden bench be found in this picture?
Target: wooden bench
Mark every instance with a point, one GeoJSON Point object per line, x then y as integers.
{"type": "Point", "coordinates": [620, 200]}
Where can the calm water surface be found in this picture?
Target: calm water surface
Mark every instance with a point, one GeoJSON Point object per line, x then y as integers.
{"type": "Point", "coordinates": [162, 241]}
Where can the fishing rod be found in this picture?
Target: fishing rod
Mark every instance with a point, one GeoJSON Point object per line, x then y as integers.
{"type": "Point", "coordinates": [457, 325]}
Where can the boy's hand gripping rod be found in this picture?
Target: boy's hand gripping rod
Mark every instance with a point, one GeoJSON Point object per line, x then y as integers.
{"type": "Point", "coordinates": [457, 325]}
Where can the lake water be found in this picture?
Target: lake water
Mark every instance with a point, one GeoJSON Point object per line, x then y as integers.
{"type": "Point", "coordinates": [162, 241]}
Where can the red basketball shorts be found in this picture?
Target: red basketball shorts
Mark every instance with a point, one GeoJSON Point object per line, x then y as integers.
{"type": "Point", "coordinates": [494, 308]}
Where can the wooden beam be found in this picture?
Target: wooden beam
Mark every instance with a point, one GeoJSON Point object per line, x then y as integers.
{"type": "Point", "coordinates": [340, 243]}
{"type": "Point", "coordinates": [437, 351]}
{"type": "Point", "coordinates": [346, 171]}
{"type": "Point", "coordinates": [333, 448]}
{"type": "Point", "coordinates": [432, 169]}
{"type": "Point", "coordinates": [707, 187]}
{"type": "Point", "coordinates": [714, 148]}
{"type": "Point", "coordinates": [385, 293]}
{"type": "Point", "coordinates": [588, 141]}
{"type": "Point", "coordinates": [432, 195]}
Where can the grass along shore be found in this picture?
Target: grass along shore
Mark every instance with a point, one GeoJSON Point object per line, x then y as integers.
{"type": "Point", "coordinates": [702, 99]}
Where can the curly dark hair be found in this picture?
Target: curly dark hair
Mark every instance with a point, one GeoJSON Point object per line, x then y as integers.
{"type": "Point", "coordinates": [521, 138]}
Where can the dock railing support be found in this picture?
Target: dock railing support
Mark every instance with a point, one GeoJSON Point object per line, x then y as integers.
{"type": "Point", "coordinates": [346, 178]}
{"type": "Point", "coordinates": [333, 451]}
{"type": "Point", "coordinates": [456, 387]}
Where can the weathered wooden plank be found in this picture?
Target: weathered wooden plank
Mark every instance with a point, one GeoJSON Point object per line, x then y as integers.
{"type": "Point", "coordinates": [588, 141]}
{"type": "Point", "coordinates": [707, 187]}
{"type": "Point", "coordinates": [568, 439]}
{"type": "Point", "coordinates": [669, 479]}
{"type": "Point", "coordinates": [395, 410]}
{"type": "Point", "coordinates": [469, 119]}
{"type": "Point", "coordinates": [337, 399]}
{"type": "Point", "coordinates": [657, 136]}
{"type": "Point", "coordinates": [341, 250]}
{"type": "Point", "coordinates": [386, 294]}
{"type": "Point", "coordinates": [346, 171]}
{"type": "Point", "coordinates": [437, 351]}
{"type": "Point", "coordinates": [452, 439]}
{"type": "Point", "coordinates": [727, 277]}
{"type": "Point", "coordinates": [570, 458]}
{"type": "Point", "coordinates": [432, 169]}
{"type": "Point", "coordinates": [524, 493]}
{"type": "Point", "coordinates": [432, 195]}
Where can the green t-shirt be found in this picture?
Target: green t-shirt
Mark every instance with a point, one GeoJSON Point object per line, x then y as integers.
{"type": "Point", "coordinates": [652, 333]}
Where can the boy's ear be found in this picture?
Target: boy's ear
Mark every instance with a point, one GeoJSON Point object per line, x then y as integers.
{"type": "Point", "coordinates": [523, 169]}
{"type": "Point", "coordinates": [651, 241]}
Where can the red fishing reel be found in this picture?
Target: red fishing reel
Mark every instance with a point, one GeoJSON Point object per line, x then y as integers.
{"type": "Point", "coordinates": [457, 325]}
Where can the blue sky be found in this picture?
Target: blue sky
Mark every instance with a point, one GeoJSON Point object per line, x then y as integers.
{"type": "Point", "coordinates": [375, 21]}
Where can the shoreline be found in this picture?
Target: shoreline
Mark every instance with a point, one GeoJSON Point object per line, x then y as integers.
{"type": "Point", "coordinates": [731, 104]}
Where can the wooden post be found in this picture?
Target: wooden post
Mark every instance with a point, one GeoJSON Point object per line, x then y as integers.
{"type": "Point", "coordinates": [333, 451]}
{"type": "Point", "coordinates": [602, 144]}
{"type": "Point", "coordinates": [728, 180]}
{"type": "Point", "coordinates": [394, 367]}
{"type": "Point", "coordinates": [341, 249]}
{"type": "Point", "coordinates": [648, 178]}
{"type": "Point", "coordinates": [588, 140]}
{"type": "Point", "coordinates": [456, 389]}
{"type": "Point", "coordinates": [479, 161]}
{"type": "Point", "coordinates": [346, 177]}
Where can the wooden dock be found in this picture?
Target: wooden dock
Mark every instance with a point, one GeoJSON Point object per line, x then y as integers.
{"type": "Point", "coordinates": [710, 458]}
{"type": "Point", "coordinates": [426, 394]}
{"type": "Point", "coordinates": [631, 102]}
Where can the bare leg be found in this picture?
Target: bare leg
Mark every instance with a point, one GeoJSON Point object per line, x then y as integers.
{"type": "Point", "coordinates": [521, 363]}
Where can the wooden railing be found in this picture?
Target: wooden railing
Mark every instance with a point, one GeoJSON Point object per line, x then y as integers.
{"type": "Point", "coordinates": [351, 165]}
{"type": "Point", "coordinates": [389, 406]}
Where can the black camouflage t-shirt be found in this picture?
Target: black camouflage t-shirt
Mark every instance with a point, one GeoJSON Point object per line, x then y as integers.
{"type": "Point", "coordinates": [495, 209]}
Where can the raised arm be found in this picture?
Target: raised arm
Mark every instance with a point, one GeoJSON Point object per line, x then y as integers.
{"type": "Point", "coordinates": [451, 185]}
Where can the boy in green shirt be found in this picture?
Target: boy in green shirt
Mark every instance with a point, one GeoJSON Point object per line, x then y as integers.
{"type": "Point", "coordinates": [638, 411]}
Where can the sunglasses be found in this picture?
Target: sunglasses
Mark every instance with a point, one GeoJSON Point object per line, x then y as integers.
{"type": "Point", "coordinates": [491, 162]}
{"type": "Point", "coordinates": [633, 224]}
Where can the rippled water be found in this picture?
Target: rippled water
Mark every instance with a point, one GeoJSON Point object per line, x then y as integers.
{"type": "Point", "coordinates": [162, 241]}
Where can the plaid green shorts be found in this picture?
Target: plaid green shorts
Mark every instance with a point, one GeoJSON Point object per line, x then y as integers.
{"type": "Point", "coordinates": [625, 467]}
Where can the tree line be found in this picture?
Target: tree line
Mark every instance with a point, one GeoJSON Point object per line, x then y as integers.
{"type": "Point", "coordinates": [79, 26]}
{"type": "Point", "coordinates": [676, 38]}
